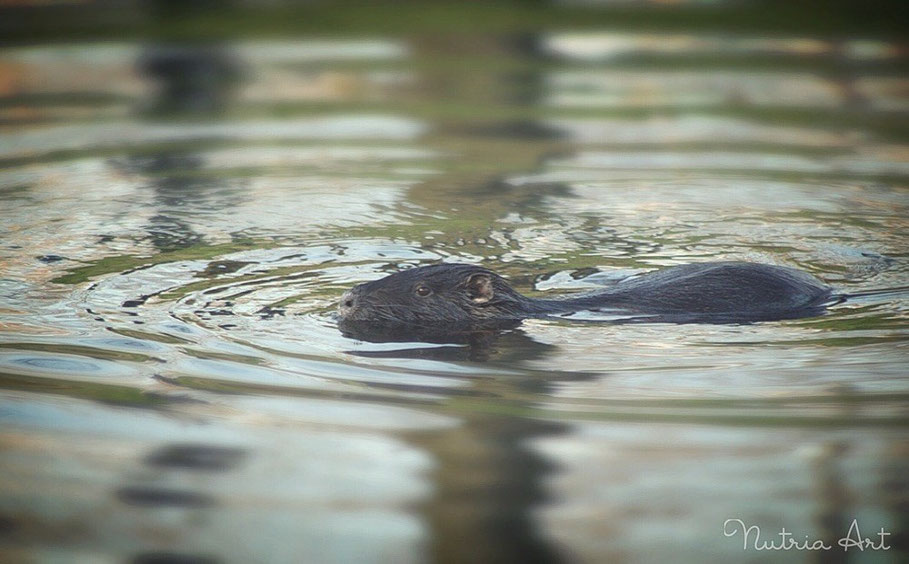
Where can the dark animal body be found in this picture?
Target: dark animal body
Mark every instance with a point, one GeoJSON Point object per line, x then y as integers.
{"type": "Point", "coordinates": [467, 295]}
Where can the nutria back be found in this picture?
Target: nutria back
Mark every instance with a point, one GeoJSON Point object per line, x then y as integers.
{"type": "Point", "coordinates": [718, 292]}
{"type": "Point", "coordinates": [751, 291]}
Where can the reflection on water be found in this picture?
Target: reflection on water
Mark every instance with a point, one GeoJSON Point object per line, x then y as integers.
{"type": "Point", "coordinates": [179, 221]}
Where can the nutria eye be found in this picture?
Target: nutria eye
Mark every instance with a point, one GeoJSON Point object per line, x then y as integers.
{"type": "Point", "coordinates": [423, 291]}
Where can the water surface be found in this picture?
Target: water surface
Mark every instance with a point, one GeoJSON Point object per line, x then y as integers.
{"type": "Point", "coordinates": [174, 383]}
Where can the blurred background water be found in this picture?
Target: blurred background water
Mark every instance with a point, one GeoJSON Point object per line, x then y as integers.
{"type": "Point", "coordinates": [186, 189]}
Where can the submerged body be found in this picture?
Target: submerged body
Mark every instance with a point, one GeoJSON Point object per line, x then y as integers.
{"type": "Point", "coordinates": [462, 294]}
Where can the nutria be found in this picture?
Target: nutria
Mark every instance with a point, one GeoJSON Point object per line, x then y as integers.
{"type": "Point", "coordinates": [440, 295]}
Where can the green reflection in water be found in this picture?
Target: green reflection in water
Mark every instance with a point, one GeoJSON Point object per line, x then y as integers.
{"type": "Point", "coordinates": [105, 393]}
{"type": "Point", "coordinates": [125, 263]}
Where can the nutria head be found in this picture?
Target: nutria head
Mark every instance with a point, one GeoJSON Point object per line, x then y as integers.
{"type": "Point", "coordinates": [437, 294]}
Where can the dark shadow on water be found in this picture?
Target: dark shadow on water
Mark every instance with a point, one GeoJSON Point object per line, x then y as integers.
{"type": "Point", "coordinates": [191, 79]}
{"type": "Point", "coordinates": [488, 481]}
{"type": "Point", "coordinates": [196, 457]}
{"type": "Point", "coordinates": [832, 518]}
{"type": "Point", "coordinates": [512, 129]}
{"type": "Point", "coordinates": [173, 558]}
{"type": "Point", "coordinates": [150, 496]}
{"type": "Point", "coordinates": [8, 525]}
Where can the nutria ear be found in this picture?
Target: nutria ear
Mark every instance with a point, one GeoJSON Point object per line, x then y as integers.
{"type": "Point", "coordinates": [479, 288]}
